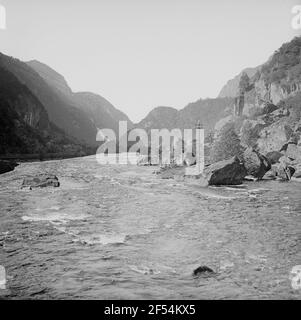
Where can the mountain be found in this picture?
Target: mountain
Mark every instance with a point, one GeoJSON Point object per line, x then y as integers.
{"type": "Point", "coordinates": [97, 109]}
{"type": "Point", "coordinates": [231, 88]}
{"type": "Point", "coordinates": [24, 122]}
{"type": "Point", "coordinates": [60, 111]}
{"type": "Point", "coordinates": [159, 118]}
{"type": "Point", "coordinates": [267, 114]}
{"type": "Point", "coordinates": [208, 111]}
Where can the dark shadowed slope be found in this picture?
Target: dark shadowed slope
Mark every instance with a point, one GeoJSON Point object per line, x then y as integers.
{"type": "Point", "coordinates": [97, 109]}
{"type": "Point", "coordinates": [61, 112]}
{"type": "Point", "coordinates": [24, 122]}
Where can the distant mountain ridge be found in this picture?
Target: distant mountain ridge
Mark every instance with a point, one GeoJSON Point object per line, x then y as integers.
{"type": "Point", "coordinates": [208, 111]}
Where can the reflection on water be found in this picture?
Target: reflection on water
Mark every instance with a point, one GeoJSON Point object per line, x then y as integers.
{"type": "Point", "coordinates": [120, 232]}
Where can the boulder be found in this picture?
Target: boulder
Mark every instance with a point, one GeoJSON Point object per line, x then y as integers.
{"type": "Point", "coordinates": [203, 270]}
{"type": "Point", "coordinates": [7, 166]}
{"type": "Point", "coordinates": [256, 164]}
{"type": "Point", "coordinates": [274, 137]}
{"type": "Point", "coordinates": [293, 152]}
{"type": "Point", "coordinates": [274, 156]}
{"type": "Point", "coordinates": [269, 108]}
{"type": "Point", "coordinates": [41, 181]}
{"type": "Point", "coordinates": [285, 173]}
{"type": "Point", "coordinates": [226, 172]}
{"type": "Point", "coordinates": [284, 170]}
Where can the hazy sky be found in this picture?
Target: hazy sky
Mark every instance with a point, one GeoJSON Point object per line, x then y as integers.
{"type": "Point", "coordinates": [140, 54]}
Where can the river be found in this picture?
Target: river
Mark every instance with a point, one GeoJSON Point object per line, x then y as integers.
{"type": "Point", "coordinates": [121, 232]}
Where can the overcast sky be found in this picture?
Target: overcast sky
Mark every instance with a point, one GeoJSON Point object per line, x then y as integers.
{"type": "Point", "coordinates": [140, 54]}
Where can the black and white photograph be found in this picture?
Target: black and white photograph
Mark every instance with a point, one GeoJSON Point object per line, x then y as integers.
{"type": "Point", "coordinates": [150, 150]}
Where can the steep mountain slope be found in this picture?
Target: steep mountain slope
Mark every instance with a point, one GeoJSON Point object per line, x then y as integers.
{"type": "Point", "coordinates": [24, 122]}
{"type": "Point", "coordinates": [270, 106]}
{"type": "Point", "coordinates": [61, 112]}
{"type": "Point", "coordinates": [96, 108]}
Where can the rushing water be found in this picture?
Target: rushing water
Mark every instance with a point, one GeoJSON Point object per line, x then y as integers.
{"type": "Point", "coordinates": [120, 232]}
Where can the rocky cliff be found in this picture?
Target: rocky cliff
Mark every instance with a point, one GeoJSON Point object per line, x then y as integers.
{"type": "Point", "coordinates": [267, 116]}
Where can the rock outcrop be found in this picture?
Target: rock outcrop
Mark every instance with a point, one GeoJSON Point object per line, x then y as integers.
{"type": "Point", "coordinates": [256, 164]}
{"type": "Point", "coordinates": [7, 166]}
{"type": "Point", "coordinates": [41, 181]}
{"type": "Point", "coordinates": [227, 172]}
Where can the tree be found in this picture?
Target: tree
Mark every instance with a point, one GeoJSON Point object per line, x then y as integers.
{"type": "Point", "coordinates": [227, 144]}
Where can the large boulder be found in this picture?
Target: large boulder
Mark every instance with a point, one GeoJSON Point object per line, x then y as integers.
{"type": "Point", "coordinates": [256, 164]}
{"type": "Point", "coordinates": [293, 152]}
{"type": "Point", "coordinates": [274, 137]}
{"type": "Point", "coordinates": [274, 156]}
{"type": "Point", "coordinates": [227, 172]}
{"type": "Point", "coordinates": [7, 166]}
{"type": "Point", "coordinates": [41, 181]}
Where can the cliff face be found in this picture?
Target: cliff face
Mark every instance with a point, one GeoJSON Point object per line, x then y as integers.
{"type": "Point", "coordinates": [24, 122]}
{"type": "Point", "coordinates": [268, 112]}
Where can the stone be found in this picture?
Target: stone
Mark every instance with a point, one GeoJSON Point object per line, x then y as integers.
{"type": "Point", "coordinates": [41, 181]}
{"type": "Point", "coordinates": [269, 108]}
{"type": "Point", "coordinates": [274, 156]}
{"type": "Point", "coordinates": [281, 171]}
{"type": "Point", "coordinates": [226, 172]}
{"type": "Point", "coordinates": [7, 166]}
{"type": "Point", "coordinates": [294, 152]}
{"type": "Point", "coordinates": [256, 164]}
{"type": "Point", "coordinates": [203, 270]}
{"type": "Point", "coordinates": [273, 138]}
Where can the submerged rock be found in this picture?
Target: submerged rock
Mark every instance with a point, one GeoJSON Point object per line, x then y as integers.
{"type": "Point", "coordinates": [226, 172]}
{"type": "Point", "coordinates": [7, 166]}
{"type": "Point", "coordinates": [41, 181]}
{"type": "Point", "coordinates": [256, 164]}
{"type": "Point", "coordinates": [203, 270]}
